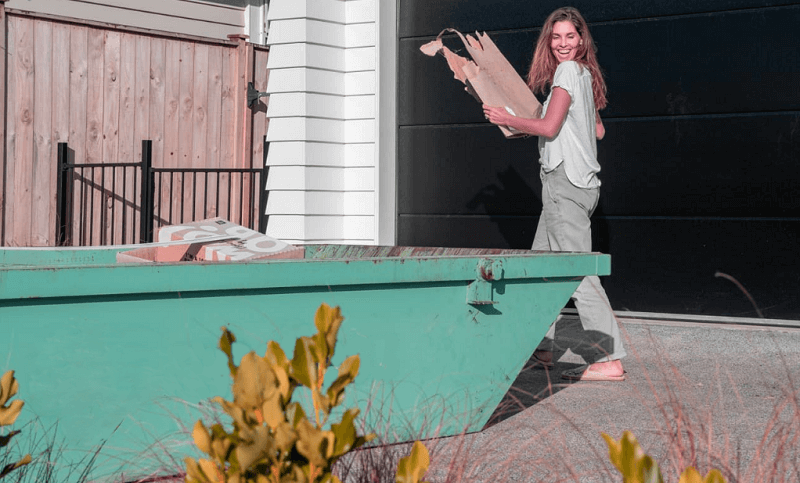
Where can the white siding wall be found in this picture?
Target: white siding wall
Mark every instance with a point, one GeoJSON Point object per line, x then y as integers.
{"type": "Point", "coordinates": [190, 17]}
{"type": "Point", "coordinates": [322, 111]}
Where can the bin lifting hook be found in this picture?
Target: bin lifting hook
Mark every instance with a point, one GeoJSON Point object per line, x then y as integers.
{"type": "Point", "coordinates": [481, 291]}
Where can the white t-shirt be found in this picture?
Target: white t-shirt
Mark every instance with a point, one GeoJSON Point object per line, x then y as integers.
{"type": "Point", "coordinates": [575, 144]}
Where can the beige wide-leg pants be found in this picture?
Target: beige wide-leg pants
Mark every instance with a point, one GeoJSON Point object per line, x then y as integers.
{"type": "Point", "coordinates": [564, 226]}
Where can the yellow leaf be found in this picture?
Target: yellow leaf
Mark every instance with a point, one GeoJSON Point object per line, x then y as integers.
{"type": "Point", "coordinates": [254, 382]}
{"type": "Point", "coordinates": [201, 437]}
{"type": "Point", "coordinates": [690, 475]}
{"type": "Point", "coordinates": [226, 340]}
{"type": "Point", "coordinates": [315, 444]}
{"type": "Point", "coordinates": [328, 320]}
{"type": "Point", "coordinates": [257, 446]}
{"type": "Point", "coordinates": [629, 458]}
{"type": "Point", "coordinates": [285, 436]}
{"type": "Point", "coordinates": [413, 467]}
{"type": "Point", "coordinates": [211, 471]}
{"type": "Point", "coordinates": [304, 368]}
{"type": "Point", "coordinates": [714, 476]}
{"type": "Point", "coordinates": [8, 387]}
{"type": "Point", "coordinates": [8, 414]}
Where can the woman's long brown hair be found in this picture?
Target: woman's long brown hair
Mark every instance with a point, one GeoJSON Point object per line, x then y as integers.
{"type": "Point", "coordinates": [544, 64]}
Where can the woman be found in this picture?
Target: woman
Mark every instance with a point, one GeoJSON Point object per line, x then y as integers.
{"type": "Point", "coordinates": [565, 61]}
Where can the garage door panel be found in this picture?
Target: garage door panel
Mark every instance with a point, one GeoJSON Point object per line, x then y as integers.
{"type": "Point", "coordinates": [467, 170]}
{"type": "Point", "coordinates": [427, 18]}
{"type": "Point", "coordinates": [711, 64]}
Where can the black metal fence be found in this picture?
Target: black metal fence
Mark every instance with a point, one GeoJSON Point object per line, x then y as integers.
{"type": "Point", "coordinates": [119, 203]}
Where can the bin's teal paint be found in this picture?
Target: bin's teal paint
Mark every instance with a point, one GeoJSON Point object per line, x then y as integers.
{"type": "Point", "coordinates": [97, 345]}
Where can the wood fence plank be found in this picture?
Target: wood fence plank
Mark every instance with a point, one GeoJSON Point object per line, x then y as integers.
{"type": "Point", "coordinates": [228, 151]}
{"type": "Point", "coordinates": [11, 160]}
{"type": "Point", "coordinates": [111, 125]}
{"type": "Point", "coordinates": [200, 130]}
{"type": "Point", "coordinates": [3, 124]}
{"type": "Point", "coordinates": [93, 223]}
{"type": "Point", "coordinates": [41, 166]}
{"type": "Point", "coordinates": [78, 118]}
{"type": "Point", "coordinates": [158, 108]}
{"type": "Point", "coordinates": [157, 98]}
{"type": "Point", "coordinates": [61, 110]}
{"type": "Point", "coordinates": [185, 131]}
{"type": "Point", "coordinates": [141, 129]}
{"type": "Point", "coordinates": [127, 147]}
{"type": "Point", "coordinates": [215, 123]}
{"type": "Point", "coordinates": [23, 114]}
{"type": "Point", "coordinates": [171, 120]}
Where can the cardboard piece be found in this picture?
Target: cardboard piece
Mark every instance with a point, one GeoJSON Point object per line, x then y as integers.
{"type": "Point", "coordinates": [183, 252]}
{"type": "Point", "coordinates": [489, 77]}
{"type": "Point", "coordinates": [214, 239]}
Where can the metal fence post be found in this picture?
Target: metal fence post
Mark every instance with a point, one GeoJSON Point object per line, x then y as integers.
{"type": "Point", "coordinates": [63, 198]}
{"type": "Point", "coordinates": [146, 202]}
{"type": "Point", "coordinates": [263, 195]}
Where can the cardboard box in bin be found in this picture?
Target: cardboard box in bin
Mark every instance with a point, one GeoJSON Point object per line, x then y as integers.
{"type": "Point", "coordinates": [214, 239]}
{"type": "Point", "coordinates": [245, 244]}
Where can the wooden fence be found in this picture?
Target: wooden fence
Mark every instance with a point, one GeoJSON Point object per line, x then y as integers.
{"type": "Point", "coordinates": [103, 89]}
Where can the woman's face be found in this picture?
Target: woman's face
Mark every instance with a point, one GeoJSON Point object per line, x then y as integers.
{"type": "Point", "coordinates": [565, 41]}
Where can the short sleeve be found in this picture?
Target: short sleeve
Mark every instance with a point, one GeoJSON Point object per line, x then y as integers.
{"type": "Point", "coordinates": [566, 77]}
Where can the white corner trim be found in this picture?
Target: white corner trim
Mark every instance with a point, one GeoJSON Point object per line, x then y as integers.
{"type": "Point", "coordinates": [386, 124]}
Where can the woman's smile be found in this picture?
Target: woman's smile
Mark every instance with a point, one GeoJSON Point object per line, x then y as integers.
{"type": "Point", "coordinates": [565, 41]}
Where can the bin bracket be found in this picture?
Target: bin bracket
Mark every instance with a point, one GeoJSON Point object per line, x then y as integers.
{"type": "Point", "coordinates": [481, 290]}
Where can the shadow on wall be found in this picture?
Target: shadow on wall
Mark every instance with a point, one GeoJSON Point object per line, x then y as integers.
{"type": "Point", "coordinates": [505, 201]}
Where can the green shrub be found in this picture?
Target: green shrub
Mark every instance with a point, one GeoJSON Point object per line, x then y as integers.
{"type": "Point", "coordinates": [8, 414]}
{"type": "Point", "coordinates": [272, 439]}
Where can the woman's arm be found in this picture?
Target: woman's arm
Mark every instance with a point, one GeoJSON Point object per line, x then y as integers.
{"type": "Point", "coordinates": [601, 130]}
{"type": "Point", "coordinates": [547, 127]}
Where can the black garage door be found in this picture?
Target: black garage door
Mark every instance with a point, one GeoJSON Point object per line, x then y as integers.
{"type": "Point", "coordinates": [701, 160]}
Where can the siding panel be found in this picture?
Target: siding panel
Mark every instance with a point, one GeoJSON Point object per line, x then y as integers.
{"type": "Point", "coordinates": [180, 16]}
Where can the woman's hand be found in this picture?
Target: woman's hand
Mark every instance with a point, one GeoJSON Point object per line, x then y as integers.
{"type": "Point", "coordinates": [498, 115]}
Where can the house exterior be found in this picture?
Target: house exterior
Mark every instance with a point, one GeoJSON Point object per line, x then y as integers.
{"type": "Point", "coordinates": [375, 143]}
{"type": "Point", "coordinates": [332, 121]}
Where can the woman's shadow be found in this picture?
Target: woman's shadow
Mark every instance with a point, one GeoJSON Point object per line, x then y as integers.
{"type": "Point", "coordinates": [573, 347]}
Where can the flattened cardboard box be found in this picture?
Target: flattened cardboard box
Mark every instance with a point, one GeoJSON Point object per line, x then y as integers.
{"type": "Point", "coordinates": [242, 244]}
{"type": "Point", "coordinates": [489, 77]}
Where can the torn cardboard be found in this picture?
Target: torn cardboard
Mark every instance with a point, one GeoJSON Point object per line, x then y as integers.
{"type": "Point", "coordinates": [489, 77]}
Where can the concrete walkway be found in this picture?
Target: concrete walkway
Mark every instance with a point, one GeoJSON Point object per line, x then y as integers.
{"type": "Point", "coordinates": [711, 395]}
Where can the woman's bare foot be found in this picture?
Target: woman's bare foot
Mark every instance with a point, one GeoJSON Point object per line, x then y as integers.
{"type": "Point", "coordinates": [599, 371]}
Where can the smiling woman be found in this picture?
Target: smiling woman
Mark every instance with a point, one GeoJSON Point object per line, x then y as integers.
{"type": "Point", "coordinates": [564, 61]}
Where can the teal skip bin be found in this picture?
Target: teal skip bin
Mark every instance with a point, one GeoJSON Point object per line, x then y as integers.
{"type": "Point", "coordinates": [126, 354]}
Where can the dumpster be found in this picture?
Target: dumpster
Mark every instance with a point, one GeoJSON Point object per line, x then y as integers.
{"type": "Point", "coordinates": [126, 353]}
